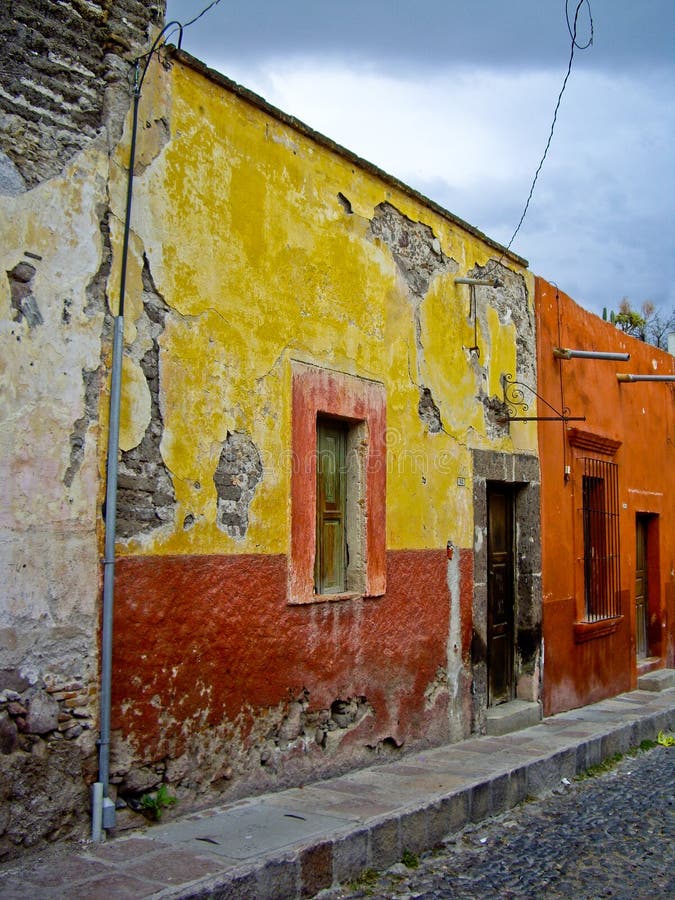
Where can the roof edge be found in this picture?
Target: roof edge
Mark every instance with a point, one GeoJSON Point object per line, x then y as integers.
{"type": "Point", "coordinates": [299, 126]}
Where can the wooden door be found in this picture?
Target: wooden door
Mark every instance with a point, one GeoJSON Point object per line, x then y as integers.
{"type": "Point", "coordinates": [500, 637]}
{"type": "Point", "coordinates": [641, 632]}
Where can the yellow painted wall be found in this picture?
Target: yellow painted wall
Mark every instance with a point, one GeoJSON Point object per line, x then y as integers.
{"type": "Point", "coordinates": [259, 263]}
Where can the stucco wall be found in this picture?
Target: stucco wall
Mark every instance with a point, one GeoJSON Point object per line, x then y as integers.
{"type": "Point", "coordinates": [258, 246]}
{"type": "Point", "coordinates": [633, 426]}
{"type": "Point", "coordinates": [63, 99]}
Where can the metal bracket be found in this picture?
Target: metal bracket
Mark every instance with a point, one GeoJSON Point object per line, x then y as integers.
{"type": "Point", "coordinates": [514, 401]}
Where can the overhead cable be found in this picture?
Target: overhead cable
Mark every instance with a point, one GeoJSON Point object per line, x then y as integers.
{"type": "Point", "coordinates": [572, 29]}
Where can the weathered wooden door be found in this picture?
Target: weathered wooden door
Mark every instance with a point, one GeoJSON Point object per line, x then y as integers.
{"type": "Point", "coordinates": [500, 649]}
{"type": "Point", "coordinates": [641, 636]}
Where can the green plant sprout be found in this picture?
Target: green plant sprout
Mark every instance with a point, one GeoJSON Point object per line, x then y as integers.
{"type": "Point", "coordinates": [154, 803]}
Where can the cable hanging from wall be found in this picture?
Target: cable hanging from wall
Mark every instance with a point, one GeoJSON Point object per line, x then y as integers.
{"type": "Point", "coordinates": [103, 807]}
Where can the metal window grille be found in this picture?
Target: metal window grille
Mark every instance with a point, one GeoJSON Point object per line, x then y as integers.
{"type": "Point", "coordinates": [601, 539]}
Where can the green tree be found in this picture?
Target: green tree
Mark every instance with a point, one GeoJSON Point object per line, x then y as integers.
{"type": "Point", "coordinates": [649, 324]}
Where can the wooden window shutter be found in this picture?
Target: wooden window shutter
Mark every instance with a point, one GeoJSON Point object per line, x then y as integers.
{"type": "Point", "coordinates": [330, 569]}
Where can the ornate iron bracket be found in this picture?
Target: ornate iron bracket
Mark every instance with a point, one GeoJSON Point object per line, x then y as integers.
{"type": "Point", "coordinates": [514, 401]}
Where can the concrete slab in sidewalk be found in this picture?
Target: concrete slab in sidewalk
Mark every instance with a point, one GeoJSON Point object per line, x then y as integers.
{"type": "Point", "coordinates": [250, 831]}
{"type": "Point", "coordinates": [296, 842]}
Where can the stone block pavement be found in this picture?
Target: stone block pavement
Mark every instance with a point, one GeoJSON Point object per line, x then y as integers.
{"type": "Point", "coordinates": [295, 843]}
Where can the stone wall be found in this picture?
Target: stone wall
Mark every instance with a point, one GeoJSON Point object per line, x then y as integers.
{"type": "Point", "coordinates": [44, 729]}
{"type": "Point", "coordinates": [64, 95]}
{"type": "Point", "coordinates": [63, 65]}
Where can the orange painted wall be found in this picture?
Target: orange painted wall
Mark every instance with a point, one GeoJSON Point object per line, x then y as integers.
{"type": "Point", "coordinates": [583, 664]}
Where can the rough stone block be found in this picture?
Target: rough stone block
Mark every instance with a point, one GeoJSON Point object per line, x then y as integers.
{"type": "Point", "coordinates": [43, 714]}
{"type": "Point", "coordinates": [414, 831]}
{"type": "Point", "coordinates": [240, 887]}
{"type": "Point", "coordinates": [278, 878]}
{"type": "Point", "coordinates": [316, 869]}
{"type": "Point", "coordinates": [480, 802]}
{"type": "Point", "coordinates": [567, 762]}
{"type": "Point", "coordinates": [543, 775]}
{"type": "Point", "coordinates": [350, 855]}
{"type": "Point", "coordinates": [438, 822]}
{"type": "Point", "coordinates": [589, 753]}
{"type": "Point", "coordinates": [659, 680]}
{"type": "Point", "coordinates": [517, 790]}
{"type": "Point", "coordinates": [512, 716]}
{"type": "Point", "coordinates": [526, 467]}
{"type": "Point", "coordinates": [385, 844]}
{"type": "Point", "coordinates": [499, 794]}
{"type": "Point", "coordinates": [490, 465]}
{"type": "Point", "coordinates": [617, 741]}
{"type": "Point", "coordinates": [9, 736]}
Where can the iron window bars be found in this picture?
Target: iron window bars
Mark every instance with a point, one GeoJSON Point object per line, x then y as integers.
{"type": "Point", "coordinates": [600, 490]}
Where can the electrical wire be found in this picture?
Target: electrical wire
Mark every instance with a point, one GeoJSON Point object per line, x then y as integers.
{"type": "Point", "coordinates": [202, 13]}
{"type": "Point", "coordinates": [572, 29]}
{"type": "Point", "coordinates": [167, 32]}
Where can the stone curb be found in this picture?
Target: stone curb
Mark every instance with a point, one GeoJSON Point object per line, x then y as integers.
{"type": "Point", "coordinates": [429, 795]}
{"type": "Point", "coordinates": [380, 843]}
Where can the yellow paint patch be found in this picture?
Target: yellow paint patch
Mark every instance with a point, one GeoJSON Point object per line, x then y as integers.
{"type": "Point", "coordinates": [261, 263]}
{"type": "Point", "coordinates": [135, 407]}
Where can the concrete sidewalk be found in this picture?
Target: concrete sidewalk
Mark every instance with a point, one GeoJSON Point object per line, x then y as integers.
{"type": "Point", "coordinates": [296, 842]}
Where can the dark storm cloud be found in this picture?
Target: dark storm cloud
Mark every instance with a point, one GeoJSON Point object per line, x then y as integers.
{"type": "Point", "coordinates": [456, 98]}
{"type": "Point", "coordinates": [390, 34]}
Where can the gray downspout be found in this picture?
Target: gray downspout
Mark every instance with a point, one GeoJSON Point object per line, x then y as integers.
{"type": "Point", "coordinates": [103, 808]}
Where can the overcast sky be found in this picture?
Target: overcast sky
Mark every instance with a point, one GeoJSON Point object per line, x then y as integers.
{"type": "Point", "coordinates": [456, 97]}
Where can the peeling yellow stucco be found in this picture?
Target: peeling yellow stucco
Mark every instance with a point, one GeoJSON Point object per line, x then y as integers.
{"type": "Point", "coordinates": [259, 262]}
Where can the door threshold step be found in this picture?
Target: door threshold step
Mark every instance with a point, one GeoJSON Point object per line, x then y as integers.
{"type": "Point", "coordinates": [512, 716]}
{"type": "Point", "coordinates": [657, 680]}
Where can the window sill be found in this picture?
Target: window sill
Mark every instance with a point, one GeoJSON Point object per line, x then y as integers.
{"type": "Point", "coordinates": [325, 598]}
{"type": "Point", "coordinates": [589, 631]}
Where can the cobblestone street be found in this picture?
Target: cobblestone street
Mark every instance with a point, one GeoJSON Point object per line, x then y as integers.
{"type": "Point", "coordinates": [610, 835]}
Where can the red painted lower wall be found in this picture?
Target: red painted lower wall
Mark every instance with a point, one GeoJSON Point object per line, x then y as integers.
{"type": "Point", "coordinates": [209, 644]}
{"type": "Point", "coordinates": [580, 671]}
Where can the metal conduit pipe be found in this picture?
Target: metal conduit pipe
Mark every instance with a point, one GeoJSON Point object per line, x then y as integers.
{"type": "Point", "coordinates": [103, 808]}
{"type": "Point", "coordinates": [565, 353]}
{"type": "Point", "coordinates": [483, 282]}
{"type": "Point", "coordinates": [630, 378]}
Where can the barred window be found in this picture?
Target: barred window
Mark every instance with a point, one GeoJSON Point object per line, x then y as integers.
{"type": "Point", "coordinates": [600, 488]}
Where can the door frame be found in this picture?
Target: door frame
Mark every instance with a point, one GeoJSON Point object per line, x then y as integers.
{"type": "Point", "coordinates": [520, 472]}
{"type": "Point", "coordinates": [505, 629]}
{"type": "Point", "coordinates": [652, 603]}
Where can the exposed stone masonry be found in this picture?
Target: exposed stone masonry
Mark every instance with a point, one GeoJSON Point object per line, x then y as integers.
{"type": "Point", "coordinates": [416, 251]}
{"type": "Point", "coordinates": [509, 299]}
{"type": "Point", "coordinates": [57, 62]}
{"type": "Point", "coordinates": [145, 494]}
{"type": "Point", "coordinates": [429, 412]}
{"type": "Point", "coordinates": [237, 475]}
{"type": "Point", "coordinates": [326, 727]}
{"type": "Point", "coordinates": [92, 387]}
{"type": "Point", "coordinates": [64, 69]}
{"type": "Point", "coordinates": [23, 303]}
{"type": "Point", "coordinates": [419, 258]}
{"type": "Point", "coordinates": [53, 719]}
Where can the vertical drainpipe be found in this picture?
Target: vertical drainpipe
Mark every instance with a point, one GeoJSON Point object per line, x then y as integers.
{"type": "Point", "coordinates": [103, 808]}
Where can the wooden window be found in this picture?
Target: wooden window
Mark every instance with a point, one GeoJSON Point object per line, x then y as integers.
{"type": "Point", "coordinates": [330, 571]}
{"type": "Point", "coordinates": [338, 486]}
{"type": "Point", "coordinates": [601, 539]}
